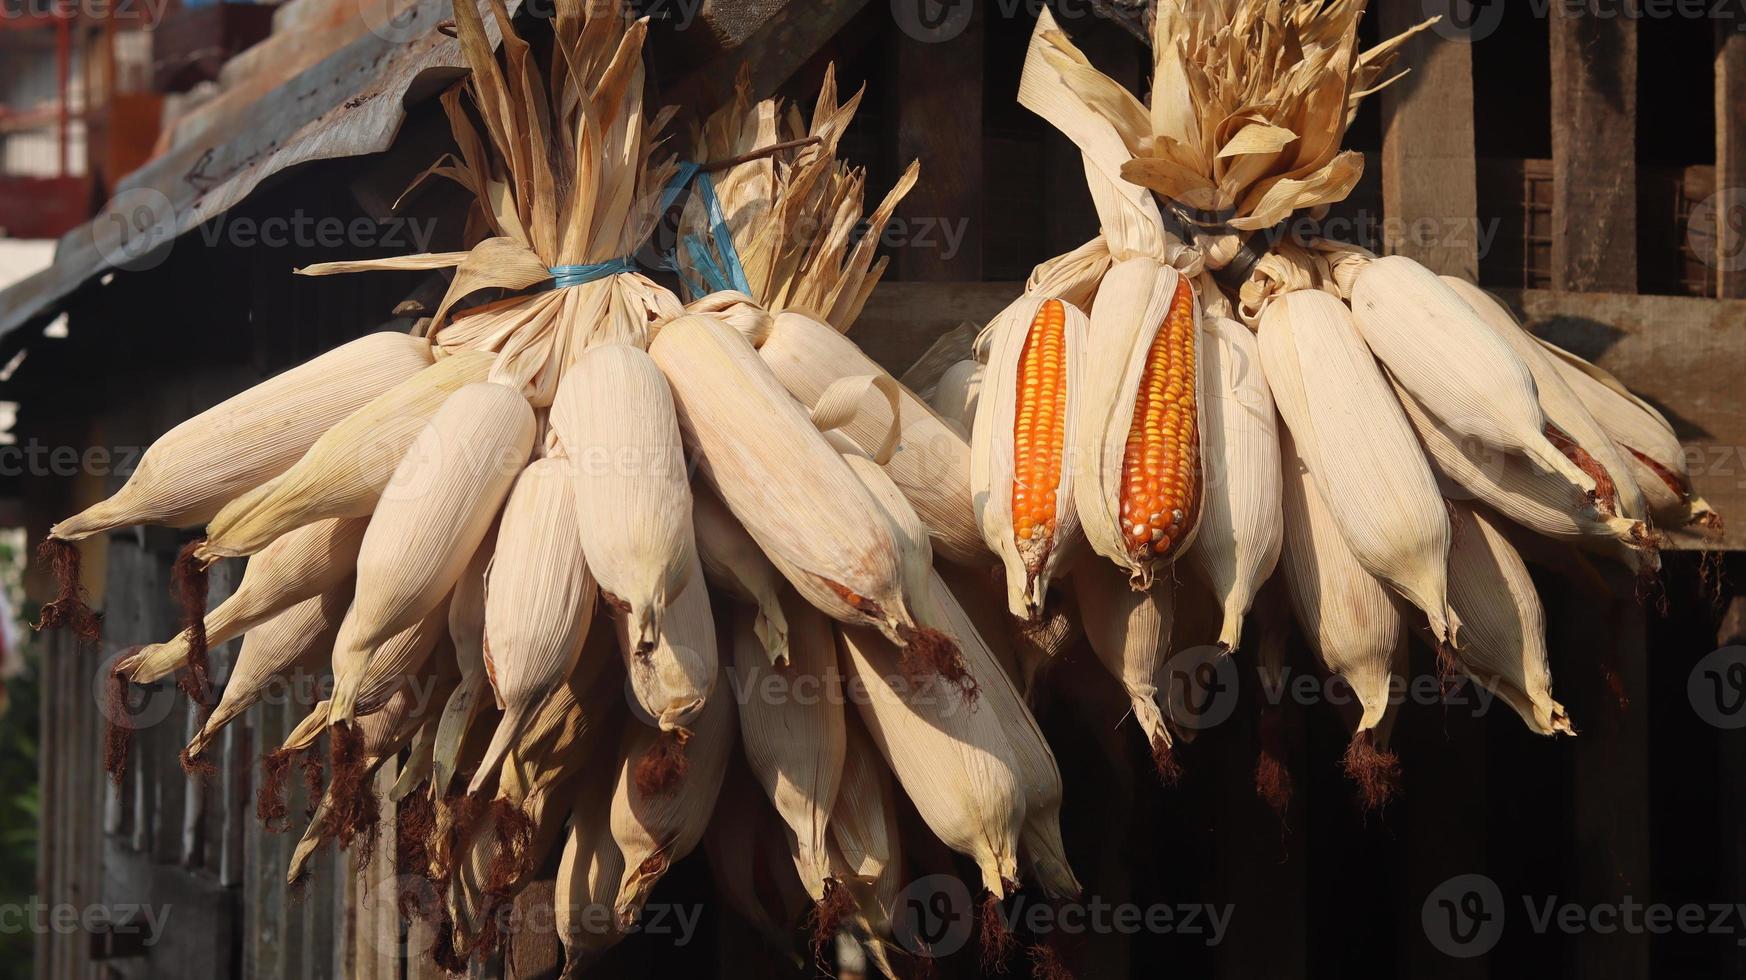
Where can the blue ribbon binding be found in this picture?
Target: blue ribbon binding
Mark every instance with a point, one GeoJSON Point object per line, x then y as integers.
{"type": "Point", "coordinates": [577, 275]}
{"type": "Point", "coordinates": [727, 273]}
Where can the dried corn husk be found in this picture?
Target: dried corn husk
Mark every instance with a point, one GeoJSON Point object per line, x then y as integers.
{"type": "Point", "coordinates": [914, 545]}
{"type": "Point", "coordinates": [467, 633]}
{"type": "Point", "coordinates": [614, 421]}
{"type": "Point", "coordinates": [1032, 563]}
{"type": "Point", "coordinates": [957, 394]}
{"type": "Point", "coordinates": [586, 892]}
{"type": "Point", "coordinates": [297, 639]}
{"type": "Point", "coordinates": [343, 474]}
{"type": "Point", "coordinates": [1040, 780]}
{"type": "Point", "coordinates": [751, 866]}
{"type": "Point", "coordinates": [306, 563]}
{"type": "Point", "coordinates": [732, 562]}
{"type": "Point", "coordinates": [1654, 456]}
{"type": "Point", "coordinates": [865, 839]}
{"type": "Point", "coordinates": [1542, 502]}
{"type": "Point", "coordinates": [672, 683]}
{"type": "Point", "coordinates": [1024, 649]}
{"type": "Point", "coordinates": [817, 524]}
{"type": "Point", "coordinates": [539, 602]}
{"type": "Point", "coordinates": [1134, 301]}
{"type": "Point", "coordinates": [955, 763]}
{"type": "Point", "coordinates": [1505, 637]}
{"type": "Point", "coordinates": [931, 462]}
{"type": "Point", "coordinates": [1129, 632]}
{"type": "Point", "coordinates": [947, 351]}
{"type": "Point", "coordinates": [1347, 615]}
{"type": "Point", "coordinates": [1357, 444]}
{"type": "Point", "coordinates": [1438, 348]}
{"type": "Point", "coordinates": [1592, 449]}
{"type": "Point", "coordinates": [1237, 546]}
{"type": "Point", "coordinates": [791, 727]}
{"type": "Point", "coordinates": [196, 468]}
{"type": "Point", "coordinates": [433, 514]}
{"type": "Point", "coordinates": [653, 831]}
{"type": "Point", "coordinates": [368, 674]}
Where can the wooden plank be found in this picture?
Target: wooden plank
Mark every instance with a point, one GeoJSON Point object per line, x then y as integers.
{"type": "Point", "coordinates": [778, 48]}
{"type": "Point", "coordinates": [1594, 147]}
{"type": "Point", "coordinates": [901, 319]}
{"type": "Point", "coordinates": [1731, 793]}
{"type": "Point", "coordinates": [938, 227]}
{"type": "Point", "coordinates": [1429, 194]}
{"type": "Point", "coordinates": [535, 954]}
{"type": "Point", "coordinates": [1730, 203]}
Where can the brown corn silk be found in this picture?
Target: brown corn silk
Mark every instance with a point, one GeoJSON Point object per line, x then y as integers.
{"type": "Point", "coordinates": [193, 470]}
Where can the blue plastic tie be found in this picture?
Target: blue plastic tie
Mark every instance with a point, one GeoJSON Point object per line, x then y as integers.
{"type": "Point", "coordinates": [577, 275]}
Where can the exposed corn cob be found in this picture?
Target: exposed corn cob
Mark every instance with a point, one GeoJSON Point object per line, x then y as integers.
{"type": "Point", "coordinates": [344, 472]}
{"type": "Point", "coordinates": [539, 602]}
{"type": "Point", "coordinates": [1349, 618]}
{"type": "Point", "coordinates": [1578, 435]}
{"type": "Point", "coordinates": [655, 830]}
{"type": "Point", "coordinates": [791, 727]}
{"type": "Point", "coordinates": [196, 468]}
{"type": "Point", "coordinates": [1237, 546]}
{"type": "Point", "coordinates": [297, 639]}
{"type": "Point", "coordinates": [1438, 348]}
{"type": "Point", "coordinates": [1130, 634]}
{"type": "Point", "coordinates": [817, 524]}
{"type": "Point", "coordinates": [1358, 446]}
{"type": "Point", "coordinates": [433, 514]}
{"type": "Point", "coordinates": [1652, 449]}
{"type": "Point", "coordinates": [305, 563]}
{"type": "Point", "coordinates": [671, 683]}
{"type": "Point", "coordinates": [1505, 626]}
{"type": "Point", "coordinates": [954, 763]}
{"type": "Point", "coordinates": [932, 462]}
{"type": "Point", "coordinates": [1138, 485]}
{"type": "Point", "coordinates": [732, 562]}
{"type": "Point", "coordinates": [614, 420]}
{"type": "Point", "coordinates": [1020, 471]}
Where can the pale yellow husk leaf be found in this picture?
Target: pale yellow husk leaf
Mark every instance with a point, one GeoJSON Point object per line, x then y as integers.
{"type": "Point", "coordinates": [732, 562]}
{"type": "Point", "coordinates": [671, 682]}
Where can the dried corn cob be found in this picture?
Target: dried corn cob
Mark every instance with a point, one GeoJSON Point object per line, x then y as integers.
{"type": "Point", "coordinates": [1130, 634]}
{"type": "Point", "coordinates": [343, 474]}
{"type": "Point", "coordinates": [586, 891]}
{"type": "Point", "coordinates": [196, 468]}
{"type": "Point", "coordinates": [1020, 471]}
{"type": "Point", "coordinates": [1138, 482]}
{"type": "Point", "coordinates": [614, 421]}
{"type": "Point", "coordinates": [368, 674]}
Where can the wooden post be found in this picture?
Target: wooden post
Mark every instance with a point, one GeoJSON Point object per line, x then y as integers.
{"type": "Point", "coordinates": [1731, 793]}
{"type": "Point", "coordinates": [1730, 239]}
{"type": "Point", "coordinates": [1594, 147]}
{"type": "Point", "coordinates": [937, 93]}
{"type": "Point", "coordinates": [1429, 196]}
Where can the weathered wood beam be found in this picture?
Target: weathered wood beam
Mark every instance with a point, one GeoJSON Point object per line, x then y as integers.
{"type": "Point", "coordinates": [785, 38]}
{"type": "Point", "coordinates": [1730, 199]}
{"type": "Point", "coordinates": [1429, 196]}
{"type": "Point", "coordinates": [936, 108]}
{"type": "Point", "coordinates": [1594, 148]}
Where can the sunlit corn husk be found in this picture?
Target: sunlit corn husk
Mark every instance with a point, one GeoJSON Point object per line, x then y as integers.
{"type": "Point", "coordinates": [1579, 436]}
{"type": "Point", "coordinates": [586, 892]}
{"type": "Point", "coordinates": [301, 565]}
{"type": "Point", "coordinates": [655, 830]}
{"type": "Point", "coordinates": [299, 638]}
{"type": "Point", "coordinates": [1130, 634]}
{"type": "Point", "coordinates": [1542, 502]}
{"type": "Point", "coordinates": [369, 673]}
{"type": "Point", "coordinates": [1139, 483]}
{"type": "Point", "coordinates": [953, 761]}
{"type": "Point", "coordinates": [1237, 545]}
{"type": "Point", "coordinates": [931, 464]}
{"type": "Point", "coordinates": [473, 691]}
{"type": "Point", "coordinates": [1349, 617]}
{"type": "Point", "coordinates": [733, 563]}
{"type": "Point", "coordinates": [536, 783]}
{"type": "Point", "coordinates": [865, 836]}
{"type": "Point", "coordinates": [816, 523]}
{"type": "Point", "coordinates": [751, 866]}
{"type": "Point", "coordinates": [1504, 625]}
{"type": "Point", "coordinates": [433, 514]}
{"type": "Point", "coordinates": [957, 394]}
{"type": "Point", "coordinates": [1435, 346]}
{"type": "Point", "coordinates": [615, 422]}
{"type": "Point", "coordinates": [415, 769]}
{"type": "Point", "coordinates": [539, 601]}
{"type": "Point", "coordinates": [1040, 843]}
{"type": "Point", "coordinates": [914, 543]}
{"type": "Point", "coordinates": [671, 683]}
{"type": "Point", "coordinates": [1359, 447]}
{"type": "Point", "coordinates": [343, 474]}
{"type": "Point", "coordinates": [196, 468]}
{"type": "Point", "coordinates": [1021, 467]}
{"type": "Point", "coordinates": [791, 727]}
{"type": "Point", "coordinates": [1653, 454]}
